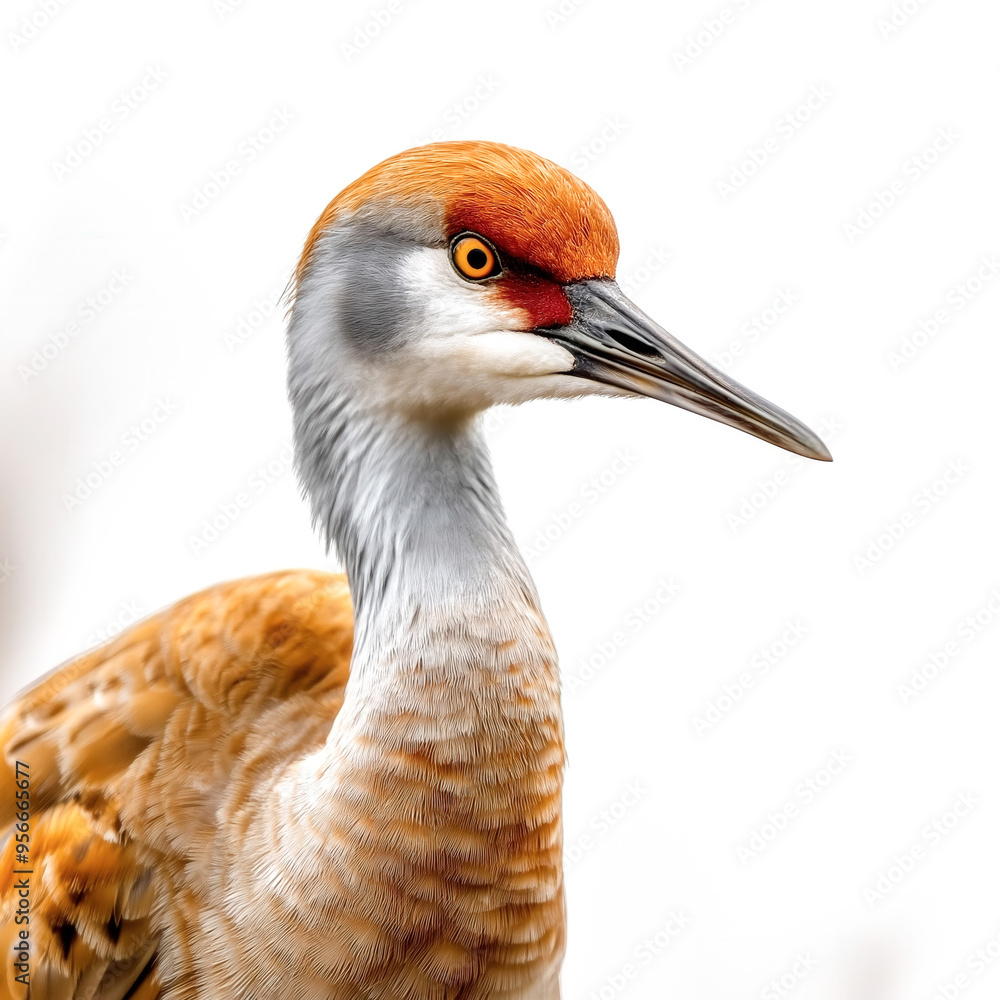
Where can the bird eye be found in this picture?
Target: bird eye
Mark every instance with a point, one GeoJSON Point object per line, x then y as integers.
{"type": "Point", "coordinates": [474, 257]}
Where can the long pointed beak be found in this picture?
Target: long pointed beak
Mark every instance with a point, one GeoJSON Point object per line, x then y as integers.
{"type": "Point", "coordinates": [613, 341]}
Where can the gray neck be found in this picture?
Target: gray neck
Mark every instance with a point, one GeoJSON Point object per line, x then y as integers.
{"type": "Point", "coordinates": [413, 511]}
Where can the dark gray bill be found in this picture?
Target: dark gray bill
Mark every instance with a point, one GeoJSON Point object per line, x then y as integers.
{"type": "Point", "coordinates": [613, 341]}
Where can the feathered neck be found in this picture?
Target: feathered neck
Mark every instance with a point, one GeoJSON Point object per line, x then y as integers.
{"type": "Point", "coordinates": [413, 510]}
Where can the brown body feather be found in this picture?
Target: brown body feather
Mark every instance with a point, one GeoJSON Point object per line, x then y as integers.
{"type": "Point", "coordinates": [162, 866]}
{"type": "Point", "coordinates": [133, 748]}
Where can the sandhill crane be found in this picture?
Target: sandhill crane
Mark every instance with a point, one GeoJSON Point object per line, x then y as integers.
{"type": "Point", "coordinates": [264, 792]}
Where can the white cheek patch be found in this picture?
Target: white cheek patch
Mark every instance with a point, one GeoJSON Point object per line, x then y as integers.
{"type": "Point", "coordinates": [464, 351]}
{"type": "Point", "coordinates": [444, 303]}
{"type": "Point", "coordinates": [500, 353]}
{"type": "Point", "coordinates": [474, 371]}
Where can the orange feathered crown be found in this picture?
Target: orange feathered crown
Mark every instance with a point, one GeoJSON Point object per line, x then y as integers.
{"type": "Point", "coordinates": [530, 208]}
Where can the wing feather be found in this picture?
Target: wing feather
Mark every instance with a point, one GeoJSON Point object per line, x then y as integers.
{"type": "Point", "coordinates": [131, 750]}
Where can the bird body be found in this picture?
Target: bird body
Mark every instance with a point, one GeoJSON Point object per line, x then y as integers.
{"type": "Point", "coordinates": [320, 787]}
{"type": "Point", "coordinates": [205, 732]}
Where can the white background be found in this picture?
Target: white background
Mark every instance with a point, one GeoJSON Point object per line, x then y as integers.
{"type": "Point", "coordinates": [598, 88]}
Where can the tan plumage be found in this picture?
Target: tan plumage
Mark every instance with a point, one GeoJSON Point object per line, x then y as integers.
{"type": "Point", "coordinates": [132, 747]}
{"type": "Point", "coordinates": [141, 750]}
{"type": "Point", "coordinates": [218, 812]}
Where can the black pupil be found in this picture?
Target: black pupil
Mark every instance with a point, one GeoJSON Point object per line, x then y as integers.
{"type": "Point", "coordinates": [477, 259]}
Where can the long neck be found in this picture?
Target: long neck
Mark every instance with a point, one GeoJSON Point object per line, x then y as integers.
{"type": "Point", "coordinates": [437, 796]}
{"type": "Point", "coordinates": [414, 512]}
{"type": "Point", "coordinates": [453, 673]}
{"type": "Point", "coordinates": [438, 584]}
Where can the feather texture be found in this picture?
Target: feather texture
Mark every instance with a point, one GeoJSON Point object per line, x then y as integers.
{"type": "Point", "coordinates": [134, 750]}
{"type": "Point", "coordinates": [530, 207]}
{"type": "Point", "coordinates": [196, 831]}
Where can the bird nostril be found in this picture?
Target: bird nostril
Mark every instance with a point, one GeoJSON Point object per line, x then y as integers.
{"type": "Point", "coordinates": [633, 344]}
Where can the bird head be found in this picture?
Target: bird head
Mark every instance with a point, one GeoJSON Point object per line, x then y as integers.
{"type": "Point", "coordinates": [460, 275]}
